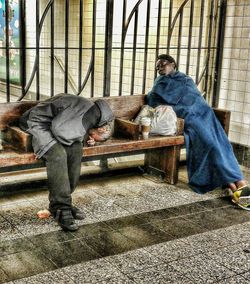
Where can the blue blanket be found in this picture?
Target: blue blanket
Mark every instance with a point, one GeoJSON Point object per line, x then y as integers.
{"type": "Point", "coordinates": [210, 159]}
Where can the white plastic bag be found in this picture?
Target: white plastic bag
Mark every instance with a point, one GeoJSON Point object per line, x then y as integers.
{"type": "Point", "coordinates": [164, 121]}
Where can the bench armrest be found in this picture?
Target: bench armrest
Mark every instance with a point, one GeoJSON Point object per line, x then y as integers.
{"type": "Point", "coordinates": [18, 138]}
{"type": "Point", "coordinates": [223, 117]}
{"type": "Point", "coordinates": [126, 129]}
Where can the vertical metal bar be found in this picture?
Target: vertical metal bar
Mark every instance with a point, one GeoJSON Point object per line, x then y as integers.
{"type": "Point", "coordinates": [22, 17]}
{"type": "Point", "coordinates": [52, 40]}
{"type": "Point", "coordinates": [108, 48]}
{"type": "Point", "coordinates": [190, 35]}
{"type": "Point", "coordinates": [7, 49]}
{"type": "Point", "coordinates": [158, 34]}
{"type": "Point", "coordinates": [199, 42]}
{"type": "Point", "coordinates": [80, 46]}
{"type": "Point", "coordinates": [146, 48]}
{"type": "Point", "coordinates": [66, 46]}
{"type": "Point", "coordinates": [179, 38]}
{"type": "Point", "coordinates": [134, 53]}
{"type": "Point", "coordinates": [219, 53]}
{"type": "Point", "coordinates": [122, 46]}
{"type": "Point", "coordinates": [93, 47]}
{"type": "Point", "coordinates": [209, 46]}
{"type": "Point", "coordinates": [169, 24]}
{"type": "Point", "coordinates": [37, 51]}
{"type": "Point", "coordinates": [35, 70]}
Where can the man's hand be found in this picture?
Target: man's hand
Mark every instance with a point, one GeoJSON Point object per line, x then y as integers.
{"type": "Point", "coordinates": [91, 141]}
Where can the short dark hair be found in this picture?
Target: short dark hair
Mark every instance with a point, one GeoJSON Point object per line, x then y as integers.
{"type": "Point", "coordinates": [167, 57]}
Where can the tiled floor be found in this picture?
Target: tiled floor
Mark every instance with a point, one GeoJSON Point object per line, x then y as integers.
{"type": "Point", "coordinates": [137, 231]}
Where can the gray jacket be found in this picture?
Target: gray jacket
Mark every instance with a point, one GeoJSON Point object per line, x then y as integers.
{"type": "Point", "coordinates": [60, 119]}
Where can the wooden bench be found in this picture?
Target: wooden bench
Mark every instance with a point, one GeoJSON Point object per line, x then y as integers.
{"type": "Point", "coordinates": [161, 153]}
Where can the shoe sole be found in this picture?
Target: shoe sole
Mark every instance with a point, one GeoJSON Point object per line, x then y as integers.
{"type": "Point", "coordinates": [244, 200]}
{"type": "Point", "coordinates": [247, 208]}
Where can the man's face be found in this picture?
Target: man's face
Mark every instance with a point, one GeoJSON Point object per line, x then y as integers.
{"type": "Point", "coordinates": [100, 134]}
{"type": "Point", "coordinates": [164, 67]}
{"type": "Point", "coordinates": [96, 136]}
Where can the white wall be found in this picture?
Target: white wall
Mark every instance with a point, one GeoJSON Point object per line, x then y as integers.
{"type": "Point", "coordinates": [235, 82]}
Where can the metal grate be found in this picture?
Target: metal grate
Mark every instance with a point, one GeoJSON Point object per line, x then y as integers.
{"type": "Point", "coordinates": [123, 38]}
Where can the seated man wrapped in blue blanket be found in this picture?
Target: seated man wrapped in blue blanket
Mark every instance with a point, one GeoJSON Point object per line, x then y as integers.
{"type": "Point", "coordinates": [211, 162]}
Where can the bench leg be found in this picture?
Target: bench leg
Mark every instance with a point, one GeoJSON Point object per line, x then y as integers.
{"type": "Point", "coordinates": [165, 160]}
{"type": "Point", "coordinates": [104, 164]}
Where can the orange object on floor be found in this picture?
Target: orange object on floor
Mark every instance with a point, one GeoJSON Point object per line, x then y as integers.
{"type": "Point", "coordinates": [43, 214]}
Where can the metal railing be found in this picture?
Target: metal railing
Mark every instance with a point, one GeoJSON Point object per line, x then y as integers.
{"type": "Point", "coordinates": [171, 28]}
{"type": "Point", "coordinates": [70, 79]}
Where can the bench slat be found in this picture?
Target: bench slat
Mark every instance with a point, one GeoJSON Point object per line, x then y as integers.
{"type": "Point", "coordinates": [113, 146]}
{"type": "Point", "coordinates": [117, 146]}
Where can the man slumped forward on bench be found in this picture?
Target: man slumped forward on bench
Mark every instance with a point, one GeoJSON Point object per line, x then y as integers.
{"type": "Point", "coordinates": [58, 127]}
{"type": "Point", "coordinates": [210, 158]}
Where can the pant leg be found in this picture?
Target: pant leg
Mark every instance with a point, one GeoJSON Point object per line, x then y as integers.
{"type": "Point", "coordinates": [74, 158]}
{"type": "Point", "coordinates": [58, 178]}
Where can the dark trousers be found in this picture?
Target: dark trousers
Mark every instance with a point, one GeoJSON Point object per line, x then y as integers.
{"type": "Point", "coordinates": [63, 169]}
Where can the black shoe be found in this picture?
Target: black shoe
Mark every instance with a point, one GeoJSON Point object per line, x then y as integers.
{"type": "Point", "coordinates": [65, 219]}
{"type": "Point", "coordinates": [77, 213]}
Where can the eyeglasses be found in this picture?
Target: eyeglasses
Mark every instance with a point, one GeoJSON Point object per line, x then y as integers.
{"type": "Point", "coordinates": [161, 63]}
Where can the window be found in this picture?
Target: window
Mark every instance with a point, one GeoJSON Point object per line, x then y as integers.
{"type": "Point", "coordinates": [12, 34]}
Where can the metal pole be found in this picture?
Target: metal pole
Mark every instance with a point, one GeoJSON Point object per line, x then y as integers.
{"type": "Point", "coordinates": [7, 53]}
{"type": "Point", "coordinates": [22, 44]}
{"type": "Point", "coordinates": [108, 48]}
{"type": "Point", "coordinates": [158, 34]}
{"type": "Point", "coordinates": [66, 46]}
{"type": "Point", "coordinates": [52, 51]}
{"type": "Point", "coordinates": [209, 47]}
{"type": "Point", "coordinates": [93, 47]}
{"type": "Point", "coordinates": [169, 24]}
{"type": "Point", "coordinates": [37, 51]}
{"type": "Point", "coordinates": [80, 46]}
{"type": "Point", "coordinates": [122, 46]}
{"type": "Point", "coordinates": [190, 35]}
{"type": "Point", "coordinates": [134, 54]}
{"type": "Point", "coordinates": [146, 48]}
{"type": "Point", "coordinates": [219, 53]}
{"type": "Point", "coordinates": [200, 42]}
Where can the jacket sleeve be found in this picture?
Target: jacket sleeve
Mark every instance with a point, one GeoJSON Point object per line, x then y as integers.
{"type": "Point", "coordinates": [39, 126]}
